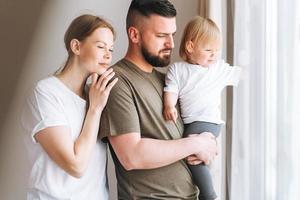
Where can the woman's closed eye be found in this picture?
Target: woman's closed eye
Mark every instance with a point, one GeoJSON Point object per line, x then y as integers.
{"type": "Point", "coordinates": [103, 47]}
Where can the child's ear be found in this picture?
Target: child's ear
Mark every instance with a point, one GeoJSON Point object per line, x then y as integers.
{"type": "Point", "coordinates": [189, 46]}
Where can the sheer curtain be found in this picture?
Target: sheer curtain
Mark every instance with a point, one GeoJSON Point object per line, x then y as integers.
{"type": "Point", "coordinates": [266, 105]}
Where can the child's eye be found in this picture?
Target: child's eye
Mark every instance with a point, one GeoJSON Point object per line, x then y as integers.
{"type": "Point", "coordinates": [111, 50]}
{"type": "Point", "coordinates": [100, 47]}
{"type": "Point", "coordinates": [160, 35]}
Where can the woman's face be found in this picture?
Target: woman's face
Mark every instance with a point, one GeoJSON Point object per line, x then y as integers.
{"type": "Point", "coordinates": [96, 51]}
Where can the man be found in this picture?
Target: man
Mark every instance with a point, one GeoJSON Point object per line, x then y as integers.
{"type": "Point", "coordinates": [146, 149]}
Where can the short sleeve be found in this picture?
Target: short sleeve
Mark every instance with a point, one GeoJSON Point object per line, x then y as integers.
{"type": "Point", "coordinates": [232, 73]}
{"type": "Point", "coordinates": [41, 110]}
{"type": "Point", "coordinates": [120, 115]}
{"type": "Point", "coordinates": [172, 80]}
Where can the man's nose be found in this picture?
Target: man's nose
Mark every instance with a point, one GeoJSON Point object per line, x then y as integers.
{"type": "Point", "coordinates": [170, 42]}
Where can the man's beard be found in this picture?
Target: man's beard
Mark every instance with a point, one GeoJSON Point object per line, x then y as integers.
{"type": "Point", "coordinates": [154, 60]}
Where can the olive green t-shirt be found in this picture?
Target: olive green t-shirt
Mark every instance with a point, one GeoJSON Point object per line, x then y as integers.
{"type": "Point", "coordinates": [135, 104]}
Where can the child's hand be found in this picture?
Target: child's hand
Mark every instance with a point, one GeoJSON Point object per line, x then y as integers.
{"type": "Point", "coordinates": [170, 113]}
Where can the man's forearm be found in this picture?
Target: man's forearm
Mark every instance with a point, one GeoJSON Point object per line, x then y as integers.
{"type": "Point", "coordinates": [146, 153]}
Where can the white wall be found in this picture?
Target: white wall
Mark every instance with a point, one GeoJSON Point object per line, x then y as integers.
{"type": "Point", "coordinates": [32, 47]}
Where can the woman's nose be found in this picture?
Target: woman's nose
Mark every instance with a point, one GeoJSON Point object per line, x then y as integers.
{"type": "Point", "coordinates": [107, 54]}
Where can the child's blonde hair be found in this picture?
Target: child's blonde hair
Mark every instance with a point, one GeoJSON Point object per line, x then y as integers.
{"type": "Point", "coordinates": [198, 30]}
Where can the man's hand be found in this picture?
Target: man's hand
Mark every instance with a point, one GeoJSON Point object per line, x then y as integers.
{"type": "Point", "coordinates": [208, 149]}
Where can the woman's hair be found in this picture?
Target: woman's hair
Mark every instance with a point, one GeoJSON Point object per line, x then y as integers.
{"type": "Point", "coordinates": [198, 30]}
{"type": "Point", "coordinates": [81, 28]}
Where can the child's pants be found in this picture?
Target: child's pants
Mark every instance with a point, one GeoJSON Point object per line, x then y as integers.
{"type": "Point", "coordinates": [201, 174]}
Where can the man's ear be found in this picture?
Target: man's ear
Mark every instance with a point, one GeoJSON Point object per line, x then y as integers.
{"type": "Point", "coordinates": [75, 46]}
{"type": "Point", "coordinates": [133, 34]}
{"type": "Point", "coordinates": [189, 46]}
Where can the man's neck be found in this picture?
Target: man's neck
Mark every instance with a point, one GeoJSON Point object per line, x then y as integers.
{"type": "Point", "coordinates": [139, 61]}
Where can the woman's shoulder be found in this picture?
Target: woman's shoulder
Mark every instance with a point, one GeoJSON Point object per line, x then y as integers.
{"type": "Point", "coordinates": [50, 83]}
{"type": "Point", "coordinates": [42, 92]}
{"type": "Point", "coordinates": [47, 87]}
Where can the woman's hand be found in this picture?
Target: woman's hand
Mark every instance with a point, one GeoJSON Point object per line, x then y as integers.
{"type": "Point", "coordinates": [100, 89]}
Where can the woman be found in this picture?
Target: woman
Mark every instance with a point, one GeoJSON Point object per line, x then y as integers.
{"type": "Point", "coordinates": [67, 160]}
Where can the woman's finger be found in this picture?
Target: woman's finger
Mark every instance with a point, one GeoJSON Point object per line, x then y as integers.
{"type": "Point", "coordinates": [94, 78]}
{"type": "Point", "coordinates": [105, 80]}
{"type": "Point", "coordinates": [103, 76]}
{"type": "Point", "coordinates": [111, 84]}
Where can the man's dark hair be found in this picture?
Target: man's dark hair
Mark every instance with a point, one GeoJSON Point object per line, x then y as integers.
{"type": "Point", "coordinates": [148, 7]}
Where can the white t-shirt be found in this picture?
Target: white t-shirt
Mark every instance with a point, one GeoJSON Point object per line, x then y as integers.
{"type": "Point", "coordinates": [199, 89]}
{"type": "Point", "coordinates": [51, 103]}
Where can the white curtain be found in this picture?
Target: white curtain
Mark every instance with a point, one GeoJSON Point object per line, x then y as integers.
{"type": "Point", "coordinates": [266, 138]}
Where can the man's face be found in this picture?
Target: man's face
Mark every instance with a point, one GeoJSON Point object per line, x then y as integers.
{"type": "Point", "coordinates": [157, 40]}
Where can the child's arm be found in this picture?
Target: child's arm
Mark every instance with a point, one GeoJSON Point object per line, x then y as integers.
{"type": "Point", "coordinates": [170, 100]}
{"type": "Point", "coordinates": [233, 74]}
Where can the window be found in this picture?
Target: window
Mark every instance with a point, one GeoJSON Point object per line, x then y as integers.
{"type": "Point", "coordinates": [266, 138]}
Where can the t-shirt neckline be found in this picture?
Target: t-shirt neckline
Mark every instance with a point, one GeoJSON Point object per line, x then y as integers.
{"type": "Point", "coordinates": [69, 90]}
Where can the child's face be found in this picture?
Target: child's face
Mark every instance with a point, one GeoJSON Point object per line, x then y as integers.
{"type": "Point", "coordinates": [205, 54]}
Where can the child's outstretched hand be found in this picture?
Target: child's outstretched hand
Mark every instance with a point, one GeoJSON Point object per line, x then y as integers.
{"type": "Point", "coordinates": [170, 113]}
